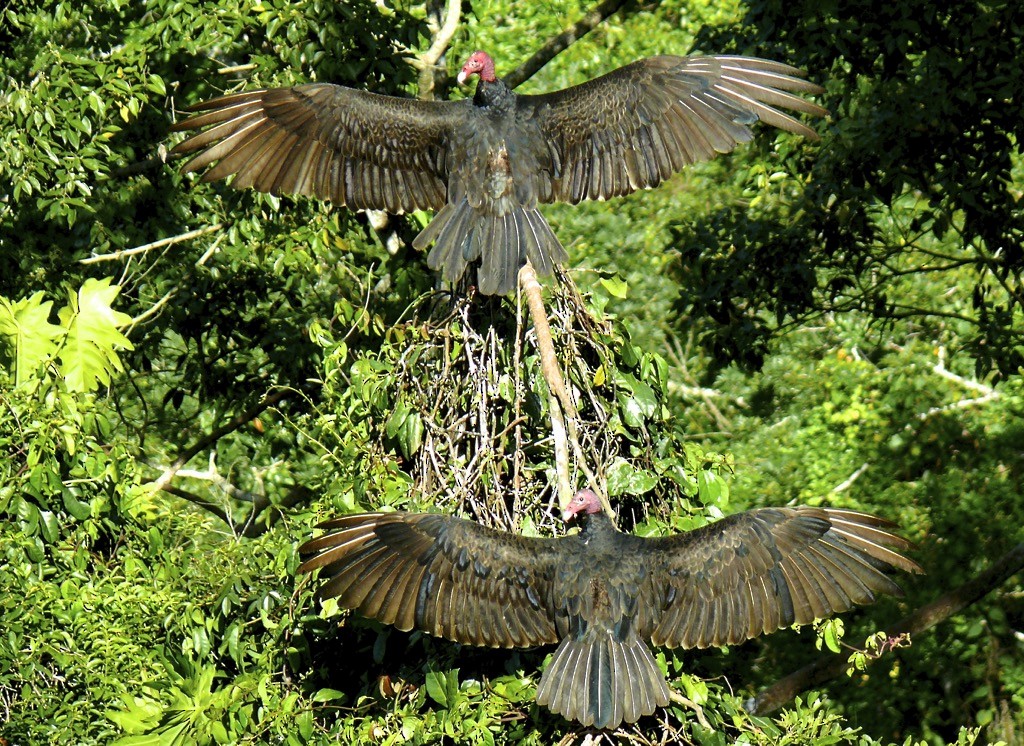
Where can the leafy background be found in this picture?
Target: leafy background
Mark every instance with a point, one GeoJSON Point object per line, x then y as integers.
{"type": "Point", "coordinates": [834, 323]}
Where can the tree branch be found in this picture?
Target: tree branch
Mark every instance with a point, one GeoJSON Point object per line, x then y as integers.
{"type": "Point", "coordinates": [553, 46]}
{"type": "Point", "coordinates": [559, 396]}
{"type": "Point", "coordinates": [444, 35]}
{"type": "Point", "coordinates": [427, 62]}
{"type": "Point", "coordinates": [827, 668]}
{"type": "Point", "coordinates": [253, 527]}
{"type": "Point", "coordinates": [848, 482]}
{"type": "Point", "coordinates": [197, 500]}
{"type": "Point", "coordinates": [154, 245]}
{"type": "Point", "coordinates": [206, 441]}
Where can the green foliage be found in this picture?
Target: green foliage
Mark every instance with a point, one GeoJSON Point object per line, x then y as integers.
{"type": "Point", "coordinates": [833, 420]}
{"type": "Point", "coordinates": [84, 345]}
{"type": "Point", "coordinates": [910, 211]}
{"type": "Point", "coordinates": [271, 361]}
{"type": "Point", "coordinates": [28, 335]}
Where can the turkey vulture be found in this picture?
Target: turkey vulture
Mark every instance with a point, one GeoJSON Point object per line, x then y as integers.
{"type": "Point", "coordinates": [485, 163]}
{"type": "Point", "coordinates": [602, 594]}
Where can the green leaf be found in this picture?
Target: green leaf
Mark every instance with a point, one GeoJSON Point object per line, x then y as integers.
{"type": "Point", "coordinates": [328, 695]}
{"type": "Point", "coordinates": [411, 437]}
{"type": "Point", "coordinates": [76, 507]}
{"type": "Point", "coordinates": [831, 632]}
{"type": "Point", "coordinates": [397, 420]}
{"type": "Point", "coordinates": [436, 687]}
{"type": "Point", "coordinates": [305, 723]}
{"type": "Point", "coordinates": [630, 355]}
{"type": "Point", "coordinates": [25, 327]}
{"type": "Point", "coordinates": [639, 403]}
{"type": "Point", "coordinates": [616, 286]}
{"type": "Point", "coordinates": [713, 490]}
{"type": "Point", "coordinates": [625, 479]}
{"type": "Point", "coordinates": [220, 733]}
{"type": "Point", "coordinates": [89, 354]}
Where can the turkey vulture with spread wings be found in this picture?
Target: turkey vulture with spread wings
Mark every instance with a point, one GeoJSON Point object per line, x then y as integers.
{"type": "Point", "coordinates": [601, 594]}
{"type": "Point", "coordinates": [485, 163]}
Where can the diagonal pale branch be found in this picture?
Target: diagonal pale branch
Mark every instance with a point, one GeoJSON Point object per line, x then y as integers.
{"type": "Point", "coordinates": [827, 668]}
{"type": "Point", "coordinates": [444, 35]}
{"type": "Point", "coordinates": [154, 245]}
{"type": "Point", "coordinates": [559, 395]}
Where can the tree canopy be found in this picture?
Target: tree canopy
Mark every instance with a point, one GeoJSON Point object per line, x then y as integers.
{"type": "Point", "coordinates": [192, 376]}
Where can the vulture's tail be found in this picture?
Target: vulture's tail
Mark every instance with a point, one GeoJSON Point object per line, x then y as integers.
{"type": "Point", "coordinates": [601, 681]}
{"type": "Point", "coordinates": [504, 242]}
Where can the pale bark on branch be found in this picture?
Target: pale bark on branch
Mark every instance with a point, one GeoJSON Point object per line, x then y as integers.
{"type": "Point", "coordinates": [559, 399]}
{"type": "Point", "coordinates": [154, 245]}
{"type": "Point", "coordinates": [427, 62]}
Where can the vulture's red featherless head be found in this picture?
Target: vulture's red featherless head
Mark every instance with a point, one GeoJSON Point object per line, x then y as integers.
{"type": "Point", "coordinates": [584, 501]}
{"type": "Point", "coordinates": [479, 63]}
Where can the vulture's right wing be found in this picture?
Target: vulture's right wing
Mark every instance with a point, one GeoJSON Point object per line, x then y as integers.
{"type": "Point", "coordinates": [351, 147]}
{"type": "Point", "coordinates": [762, 570]}
{"type": "Point", "coordinates": [446, 576]}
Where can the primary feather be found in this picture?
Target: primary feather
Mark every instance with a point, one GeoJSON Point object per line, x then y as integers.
{"type": "Point", "coordinates": [486, 163]}
{"type": "Point", "coordinates": [603, 595]}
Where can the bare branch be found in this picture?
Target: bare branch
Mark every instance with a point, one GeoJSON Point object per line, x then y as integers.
{"type": "Point", "coordinates": [845, 485]}
{"type": "Point", "coordinates": [941, 369]}
{"type": "Point", "coordinates": [559, 395]}
{"type": "Point", "coordinates": [444, 35]}
{"type": "Point", "coordinates": [827, 668]}
{"type": "Point", "coordinates": [553, 46]}
{"type": "Point", "coordinates": [553, 375]}
{"type": "Point", "coordinates": [427, 62]}
{"type": "Point", "coordinates": [237, 69]}
{"type": "Point", "coordinates": [207, 440]}
{"type": "Point", "coordinates": [987, 392]}
{"type": "Point", "coordinates": [154, 245]}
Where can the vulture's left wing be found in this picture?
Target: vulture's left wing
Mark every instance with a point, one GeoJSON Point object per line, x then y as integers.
{"type": "Point", "coordinates": [765, 569]}
{"type": "Point", "coordinates": [636, 126]}
{"type": "Point", "coordinates": [446, 576]}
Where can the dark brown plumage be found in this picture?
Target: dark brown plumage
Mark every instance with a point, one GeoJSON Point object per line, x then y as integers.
{"type": "Point", "coordinates": [602, 595]}
{"type": "Point", "coordinates": [485, 164]}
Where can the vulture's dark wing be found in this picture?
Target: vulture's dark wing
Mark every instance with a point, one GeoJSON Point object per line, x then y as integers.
{"type": "Point", "coordinates": [762, 570]}
{"type": "Point", "coordinates": [447, 576]}
{"type": "Point", "coordinates": [351, 147]}
{"type": "Point", "coordinates": [636, 126]}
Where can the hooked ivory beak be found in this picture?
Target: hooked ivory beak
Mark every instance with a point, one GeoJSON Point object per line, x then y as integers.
{"type": "Point", "coordinates": [567, 515]}
{"type": "Point", "coordinates": [462, 77]}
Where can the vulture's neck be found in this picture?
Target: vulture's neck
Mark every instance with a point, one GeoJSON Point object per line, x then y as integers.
{"type": "Point", "coordinates": [597, 526]}
{"type": "Point", "coordinates": [493, 94]}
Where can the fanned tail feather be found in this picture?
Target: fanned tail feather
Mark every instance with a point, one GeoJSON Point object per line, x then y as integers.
{"type": "Point", "coordinates": [601, 681]}
{"type": "Point", "coordinates": [462, 234]}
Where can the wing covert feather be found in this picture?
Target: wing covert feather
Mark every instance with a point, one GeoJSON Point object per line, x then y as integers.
{"type": "Point", "coordinates": [636, 126]}
{"type": "Point", "coordinates": [446, 576]}
{"type": "Point", "coordinates": [762, 570]}
{"type": "Point", "coordinates": [352, 147]}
